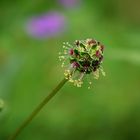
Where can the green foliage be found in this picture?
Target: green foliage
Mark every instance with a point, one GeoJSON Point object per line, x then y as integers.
{"type": "Point", "coordinates": [29, 69]}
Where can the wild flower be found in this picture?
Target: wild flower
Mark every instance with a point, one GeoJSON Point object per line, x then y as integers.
{"type": "Point", "coordinates": [69, 3]}
{"type": "Point", "coordinates": [82, 58]}
{"type": "Point", "coordinates": [47, 25]}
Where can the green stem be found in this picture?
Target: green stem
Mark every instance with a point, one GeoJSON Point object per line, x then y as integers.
{"type": "Point", "coordinates": [37, 110]}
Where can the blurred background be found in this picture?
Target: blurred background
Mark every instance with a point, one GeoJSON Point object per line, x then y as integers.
{"type": "Point", "coordinates": [32, 34]}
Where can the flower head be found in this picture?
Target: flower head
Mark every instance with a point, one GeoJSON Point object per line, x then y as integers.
{"type": "Point", "coordinates": [69, 3]}
{"type": "Point", "coordinates": [84, 57]}
{"type": "Point", "coordinates": [46, 25]}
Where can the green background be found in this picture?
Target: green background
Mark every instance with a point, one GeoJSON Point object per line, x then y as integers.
{"type": "Point", "coordinates": [30, 69]}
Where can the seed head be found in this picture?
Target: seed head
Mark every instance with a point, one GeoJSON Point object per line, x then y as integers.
{"type": "Point", "coordinates": [84, 57]}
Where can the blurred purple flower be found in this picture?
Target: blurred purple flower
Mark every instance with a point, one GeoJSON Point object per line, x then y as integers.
{"type": "Point", "coordinates": [47, 25]}
{"type": "Point", "coordinates": [69, 3]}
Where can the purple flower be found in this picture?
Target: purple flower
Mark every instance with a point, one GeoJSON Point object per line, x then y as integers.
{"type": "Point", "coordinates": [47, 25]}
{"type": "Point", "coordinates": [75, 65]}
{"type": "Point", "coordinates": [69, 3]}
{"type": "Point", "coordinates": [71, 51]}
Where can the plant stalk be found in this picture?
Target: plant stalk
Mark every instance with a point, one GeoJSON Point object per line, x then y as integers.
{"type": "Point", "coordinates": [38, 109]}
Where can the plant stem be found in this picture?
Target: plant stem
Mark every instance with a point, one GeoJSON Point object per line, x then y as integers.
{"type": "Point", "coordinates": [37, 110]}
